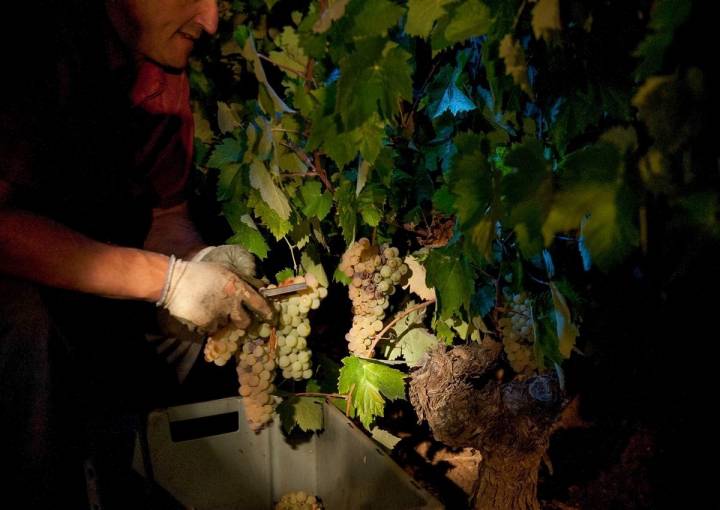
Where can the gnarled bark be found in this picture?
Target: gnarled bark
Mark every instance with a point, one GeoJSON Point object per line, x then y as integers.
{"type": "Point", "coordinates": [465, 404]}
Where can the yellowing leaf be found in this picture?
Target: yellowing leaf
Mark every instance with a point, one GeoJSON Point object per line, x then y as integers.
{"type": "Point", "coordinates": [363, 171]}
{"type": "Point", "coordinates": [567, 332]}
{"type": "Point", "coordinates": [261, 180]}
{"type": "Point", "coordinates": [416, 282]}
{"type": "Point", "coordinates": [203, 131]}
{"type": "Point", "coordinates": [546, 19]}
{"type": "Point", "coordinates": [227, 118]}
{"type": "Point", "coordinates": [512, 53]}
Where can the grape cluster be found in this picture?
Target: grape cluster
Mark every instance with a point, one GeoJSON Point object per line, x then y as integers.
{"type": "Point", "coordinates": [518, 332]}
{"type": "Point", "coordinates": [298, 501]}
{"type": "Point", "coordinates": [222, 345]}
{"type": "Point", "coordinates": [375, 271]}
{"type": "Point", "coordinates": [294, 328]}
{"type": "Point", "coordinates": [256, 371]}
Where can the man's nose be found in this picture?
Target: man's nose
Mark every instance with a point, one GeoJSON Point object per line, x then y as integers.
{"type": "Point", "coordinates": [207, 16]}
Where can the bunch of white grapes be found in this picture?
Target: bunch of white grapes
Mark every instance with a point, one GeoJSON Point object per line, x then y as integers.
{"type": "Point", "coordinates": [220, 347]}
{"type": "Point", "coordinates": [294, 357]}
{"type": "Point", "coordinates": [298, 501]}
{"type": "Point", "coordinates": [518, 332]}
{"type": "Point", "coordinates": [256, 371]}
{"type": "Point", "coordinates": [375, 271]}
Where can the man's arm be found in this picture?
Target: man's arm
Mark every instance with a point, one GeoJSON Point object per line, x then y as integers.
{"type": "Point", "coordinates": [38, 249]}
{"type": "Point", "coordinates": [173, 233]}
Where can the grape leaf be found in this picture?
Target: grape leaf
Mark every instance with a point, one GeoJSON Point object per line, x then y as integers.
{"type": "Point", "coordinates": [248, 236]}
{"type": "Point", "coordinates": [228, 119]}
{"type": "Point", "coordinates": [371, 383]}
{"type": "Point", "coordinates": [283, 275]}
{"type": "Point", "coordinates": [416, 281]}
{"type": "Point", "coordinates": [471, 18]}
{"type": "Point", "coordinates": [346, 207]}
{"type": "Point", "coordinates": [303, 412]}
{"type": "Point", "coordinates": [374, 17]}
{"type": "Point", "coordinates": [453, 101]}
{"type": "Point", "coordinates": [451, 276]}
{"type": "Point", "coordinates": [375, 77]}
{"type": "Point", "coordinates": [546, 19]}
{"type": "Point", "coordinates": [277, 226]}
{"type": "Point", "coordinates": [567, 332]}
{"type": "Point", "coordinates": [261, 180]}
{"type": "Point", "coordinates": [316, 202]}
{"type": "Point", "coordinates": [422, 14]}
{"type": "Point", "coordinates": [229, 151]}
{"type": "Point", "coordinates": [228, 181]}
{"type": "Point", "coordinates": [666, 17]}
{"type": "Point", "coordinates": [411, 345]}
{"type": "Point", "coordinates": [292, 58]}
{"type": "Point", "coordinates": [314, 268]}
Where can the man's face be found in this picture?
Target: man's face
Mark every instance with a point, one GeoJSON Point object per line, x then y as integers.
{"type": "Point", "coordinates": [165, 30]}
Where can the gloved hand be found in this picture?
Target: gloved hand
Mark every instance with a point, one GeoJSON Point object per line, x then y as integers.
{"type": "Point", "coordinates": [206, 295]}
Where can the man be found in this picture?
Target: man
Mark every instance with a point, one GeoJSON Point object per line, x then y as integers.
{"type": "Point", "coordinates": [95, 148]}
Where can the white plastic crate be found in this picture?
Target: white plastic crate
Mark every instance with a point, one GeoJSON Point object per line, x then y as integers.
{"type": "Point", "coordinates": [240, 469]}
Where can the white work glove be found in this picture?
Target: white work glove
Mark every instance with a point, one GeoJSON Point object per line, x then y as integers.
{"type": "Point", "coordinates": [206, 295]}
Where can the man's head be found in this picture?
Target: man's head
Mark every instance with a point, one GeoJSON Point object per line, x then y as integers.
{"type": "Point", "coordinates": [163, 30]}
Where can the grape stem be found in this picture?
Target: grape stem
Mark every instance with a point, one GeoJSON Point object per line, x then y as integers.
{"type": "Point", "coordinates": [292, 253]}
{"type": "Point", "coordinates": [397, 318]}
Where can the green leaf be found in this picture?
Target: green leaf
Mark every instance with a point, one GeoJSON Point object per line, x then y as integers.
{"type": "Point", "coordinates": [346, 209]}
{"type": "Point", "coordinates": [317, 203]}
{"type": "Point", "coordinates": [471, 183]}
{"type": "Point", "coordinates": [261, 180]}
{"type": "Point", "coordinates": [373, 78]}
{"type": "Point", "coordinates": [228, 181]}
{"type": "Point", "coordinates": [471, 18]}
{"type": "Point", "coordinates": [484, 300]}
{"type": "Point", "coordinates": [227, 152]}
{"type": "Point", "coordinates": [567, 332]}
{"type": "Point", "coordinates": [453, 101]}
{"type": "Point", "coordinates": [609, 232]}
{"type": "Point", "coordinates": [443, 200]}
{"type": "Point", "coordinates": [371, 384]}
{"type": "Point", "coordinates": [470, 179]}
{"type": "Point", "coordinates": [341, 277]}
{"type": "Point", "coordinates": [314, 268]}
{"type": "Point", "coordinates": [248, 236]}
{"type": "Point", "coordinates": [451, 275]}
{"type": "Point", "coordinates": [422, 15]}
{"type": "Point", "coordinates": [277, 226]}
{"type": "Point", "coordinates": [283, 275]}
{"type": "Point", "coordinates": [375, 17]}
{"type": "Point", "coordinates": [527, 192]}
{"type": "Point", "coordinates": [666, 17]}
{"type": "Point", "coordinates": [370, 204]}
{"type": "Point", "coordinates": [292, 57]}
{"type": "Point", "coordinates": [303, 412]}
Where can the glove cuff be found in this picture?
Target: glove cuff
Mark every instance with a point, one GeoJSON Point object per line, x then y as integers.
{"type": "Point", "coordinates": [168, 278]}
